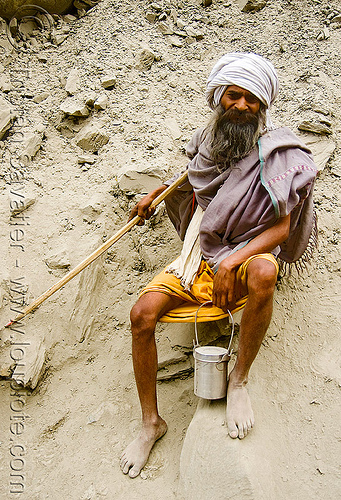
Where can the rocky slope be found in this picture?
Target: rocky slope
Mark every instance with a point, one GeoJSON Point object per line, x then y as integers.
{"type": "Point", "coordinates": [95, 111]}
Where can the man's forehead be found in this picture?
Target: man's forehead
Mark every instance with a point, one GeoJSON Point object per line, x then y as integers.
{"type": "Point", "coordinates": [235, 88]}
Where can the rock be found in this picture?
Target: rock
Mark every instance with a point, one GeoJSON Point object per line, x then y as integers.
{"type": "Point", "coordinates": [322, 149]}
{"type": "Point", "coordinates": [212, 465]}
{"type": "Point", "coordinates": [58, 260]}
{"type": "Point", "coordinates": [156, 6]}
{"type": "Point", "coordinates": [145, 59]}
{"type": "Point", "coordinates": [173, 128]}
{"type": "Point", "coordinates": [31, 144]}
{"type": "Point", "coordinates": [7, 116]}
{"type": "Point", "coordinates": [108, 82]}
{"type": "Point", "coordinates": [173, 364]}
{"type": "Point", "coordinates": [42, 57]}
{"type": "Point", "coordinates": [9, 8]}
{"type": "Point", "coordinates": [59, 38]}
{"type": "Point", "coordinates": [206, 3]}
{"type": "Point", "coordinates": [165, 29]}
{"type": "Point", "coordinates": [80, 5]}
{"type": "Point", "coordinates": [151, 17]}
{"type": "Point", "coordinates": [321, 110]}
{"type": "Point", "coordinates": [163, 16]}
{"type": "Point", "coordinates": [92, 209]}
{"type": "Point", "coordinates": [73, 107]}
{"type": "Point", "coordinates": [171, 358]}
{"type": "Point", "coordinates": [87, 159]}
{"type": "Point", "coordinates": [5, 84]}
{"type": "Point", "coordinates": [141, 180]}
{"type": "Point", "coordinates": [24, 205]}
{"type": "Point", "coordinates": [179, 370]}
{"type": "Point", "coordinates": [38, 98]}
{"type": "Point", "coordinates": [101, 102]}
{"type": "Point", "coordinates": [194, 86]}
{"type": "Point", "coordinates": [336, 19]}
{"type": "Point", "coordinates": [69, 18]}
{"type": "Point", "coordinates": [91, 138]}
{"type": "Point", "coordinates": [90, 98]}
{"type": "Point", "coordinates": [35, 357]}
{"type": "Point", "coordinates": [176, 42]}
{"type": "Point", "coordinates": [323, 35]}
{"type": "Point", "coordinates": [251, 5]}
{"type": "Point", "coordinates": [180, 24]}
{"type": "Point", "coordinates": [83, 316]}
{"type": "Point", "coordinates": [72, 82]}
{"type": "Point", "coordinates": [191, 32]}
{"type": "Point", "coordinates": [174, 15]}
{"type": "Point", "coordinates": [316, 128]}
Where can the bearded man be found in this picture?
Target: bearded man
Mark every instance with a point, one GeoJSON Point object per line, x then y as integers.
{"type": "Point", "coordinates": [247, 204]}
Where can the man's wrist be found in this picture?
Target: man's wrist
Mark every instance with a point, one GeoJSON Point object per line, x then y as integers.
{"type": "Point", "coordinates": [229, 264]}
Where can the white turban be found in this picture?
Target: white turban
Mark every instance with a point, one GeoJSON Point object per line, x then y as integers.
{"type": "Point", "coordinates": [246, 70]}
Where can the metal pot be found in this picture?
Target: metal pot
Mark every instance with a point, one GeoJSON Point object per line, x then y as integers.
{"type": "Point", "coordinates": [210, 366]}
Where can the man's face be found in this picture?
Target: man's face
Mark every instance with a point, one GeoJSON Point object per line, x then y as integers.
{"type": "Point", "coordinates": [235, 126]}
{"type": "Point", "coordinates": [240, 103]}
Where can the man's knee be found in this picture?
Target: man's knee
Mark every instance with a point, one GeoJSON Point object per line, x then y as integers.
{"type": "Point", "coordinates": [143, 319]}
{"type": "Point", "coordinates": [262, 277]}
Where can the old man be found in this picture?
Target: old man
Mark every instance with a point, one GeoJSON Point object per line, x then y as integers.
{"type": "Point", "coordinates": [247, 205]}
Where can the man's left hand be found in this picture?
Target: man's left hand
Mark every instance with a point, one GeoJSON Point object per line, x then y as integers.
{"type": "Point", "coordinates": [224, 282]}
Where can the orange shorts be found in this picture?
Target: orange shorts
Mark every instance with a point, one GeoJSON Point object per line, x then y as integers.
{"type": "Point", "coordinates": [200, 292]}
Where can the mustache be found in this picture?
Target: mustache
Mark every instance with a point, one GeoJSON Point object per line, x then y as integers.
{"type": "Point", "coordinates": [235, 115]}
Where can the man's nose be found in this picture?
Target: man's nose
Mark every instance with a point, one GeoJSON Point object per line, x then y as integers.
{"type": "Point", "coordinates": [241, 104]}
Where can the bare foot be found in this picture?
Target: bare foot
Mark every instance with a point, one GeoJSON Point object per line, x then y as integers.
{"type": "Point", "coordinates": [136, 454]}
{"type": "Point", "coordinates": [239, 414]}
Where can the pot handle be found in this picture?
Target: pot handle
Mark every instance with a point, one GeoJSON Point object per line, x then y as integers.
{"type": "Point", "coordinates": [209, 302]}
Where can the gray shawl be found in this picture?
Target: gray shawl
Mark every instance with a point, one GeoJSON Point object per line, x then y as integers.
{"type": "Point", "coordinates": [275, 179]}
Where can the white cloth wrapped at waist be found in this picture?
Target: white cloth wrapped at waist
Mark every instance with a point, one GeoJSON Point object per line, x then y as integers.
{"type": "Point", "coordinates": [186, 266]}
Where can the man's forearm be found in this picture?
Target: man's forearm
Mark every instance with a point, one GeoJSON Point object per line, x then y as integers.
{"type": "Point", "coordinates": [263, 243]}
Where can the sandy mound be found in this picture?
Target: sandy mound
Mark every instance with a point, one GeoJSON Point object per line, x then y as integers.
{"type": "Point", "coordinates": [104, 106]}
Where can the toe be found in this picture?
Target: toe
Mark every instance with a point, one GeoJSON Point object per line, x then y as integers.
{"type": "Point", "coordinates": [134, 472]}
{"type": "Point", "coordinates": [241, 434]}
{"type": "Point", "coordinates": [233, 431]}
{"type": "Point", "coordinates": [126, 467]}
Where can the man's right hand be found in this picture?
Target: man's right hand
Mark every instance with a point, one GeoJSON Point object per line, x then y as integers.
{"type": "Point", "coordinates": [143, 208]}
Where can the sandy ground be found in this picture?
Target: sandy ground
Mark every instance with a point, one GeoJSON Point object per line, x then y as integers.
{"type": "Point", "coordinates": [62, 438]}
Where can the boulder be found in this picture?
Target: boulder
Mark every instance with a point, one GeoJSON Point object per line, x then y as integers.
{"type": "Point", "coordinates": [322, 149]}
{"type": "Point", "coordinates": [145, 59]}
{"type": "Point", "coordinates": [101, 102]}
{"type": "Point", "coordinates": [108, 82]}
{"type": "Point", "coordinates": [9, 7]}
{"type": "Point", "coordinates": [91, 138]}
{"type": "Point", "coordinates": [212, 465]}
{"type": "Point", "coordinates": [31, 144]}
{"type": "Point", "coordinates": [74, 107]}
{"type": "Point", "coordinates": [140, 180]}
{"type": "Point", "coordinates": [7, 115]}
{"type": "Point", "coordinates": [251, 5]}
{"type": "Point", "coordinates": [72, 82]}
{"type": "Point", "coordinates": [173, 128]}
{"type": "Point", "coordinates": [58, 260]}
{"type": "Point", "coordinates": [315, 127]}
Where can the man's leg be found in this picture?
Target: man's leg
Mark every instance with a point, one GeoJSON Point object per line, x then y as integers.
{"type": "Point", "coordinates": [261, 280]}
{"type": "Point", "coordinates": [144, 316]}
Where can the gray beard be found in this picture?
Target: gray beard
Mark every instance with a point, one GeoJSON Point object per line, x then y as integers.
{"type": "Point", "coordinates": [232, 141]}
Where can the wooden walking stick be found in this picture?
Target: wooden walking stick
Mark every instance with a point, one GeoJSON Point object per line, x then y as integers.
{"type": "Point", "coordinates": [82, 265]}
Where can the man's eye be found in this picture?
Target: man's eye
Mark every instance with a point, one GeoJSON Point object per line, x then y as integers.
{"type": "Point", "coordinates": [252, 99]}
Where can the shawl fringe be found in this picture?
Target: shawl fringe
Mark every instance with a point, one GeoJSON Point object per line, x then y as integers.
{"type": "Point", "coordinates": [301, 265]}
